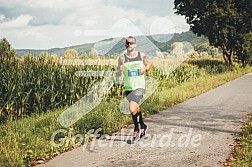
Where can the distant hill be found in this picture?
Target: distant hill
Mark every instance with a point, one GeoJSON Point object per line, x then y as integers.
{"type": "Point", "coordinates": [111, 46]}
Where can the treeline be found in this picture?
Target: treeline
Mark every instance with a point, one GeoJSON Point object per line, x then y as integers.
{"type": "Point", "coordinates": [226, 23]}
{"type": "Point", "coordinates": [200, 44]}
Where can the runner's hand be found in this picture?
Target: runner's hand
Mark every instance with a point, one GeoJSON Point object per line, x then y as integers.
{"type": "Point", "coordinates": [142, 70]}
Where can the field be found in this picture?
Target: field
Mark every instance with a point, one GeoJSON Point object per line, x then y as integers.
{"type": "Point", "coordinates": [36, 90]}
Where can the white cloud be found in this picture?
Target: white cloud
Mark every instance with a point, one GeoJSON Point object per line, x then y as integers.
{"type": "Point", "coordinates": [20, 21]}
{"type": "Point", "coordinates": [60, 23]}
{"type": "Point", "coordinates": [42, 4]}
{"type": "Point", "coordinates": [2, 17]}
{"type": "Point", "coordinates": [45, 37]}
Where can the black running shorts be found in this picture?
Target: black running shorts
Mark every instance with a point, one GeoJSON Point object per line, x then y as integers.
{"type": "Point", "coordinates": [135, 95]}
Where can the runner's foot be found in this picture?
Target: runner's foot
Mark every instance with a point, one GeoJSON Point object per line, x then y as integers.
{"type": "Point", "coordinates": [136, 137]}
{"type": "Point", "coordinates": [144, 131]}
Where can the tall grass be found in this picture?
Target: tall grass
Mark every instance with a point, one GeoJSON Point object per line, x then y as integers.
{"type": "Point", "coordinates": [243, 147]}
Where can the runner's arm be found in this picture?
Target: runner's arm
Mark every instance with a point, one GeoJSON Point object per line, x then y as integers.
{"type": "Point", "coordinates": [120, 66]}
{"type": "Point", "coordinates": [146, 62]}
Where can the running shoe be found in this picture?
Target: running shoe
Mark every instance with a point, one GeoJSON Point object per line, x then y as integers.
{"type": "Point", "coordinates": [144, 131]}
{"type": "Point", "coordinates": [136, 137]}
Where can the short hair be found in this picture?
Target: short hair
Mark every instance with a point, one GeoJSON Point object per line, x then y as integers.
{"type": "Point", "coordinates": [131, 37]}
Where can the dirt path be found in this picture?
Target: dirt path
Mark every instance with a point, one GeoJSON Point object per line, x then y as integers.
{"type": "Point", "coordinates": [197, 132]}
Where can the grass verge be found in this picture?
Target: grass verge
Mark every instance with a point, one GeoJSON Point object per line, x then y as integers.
{"type": "Point", "coordinates": [243, 147]}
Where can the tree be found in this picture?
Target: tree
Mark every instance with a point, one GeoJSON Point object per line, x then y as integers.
{"type": "Point", "coordinates": [93, 54]}
{"type": "Point", "coordinates": [70, 54]}
{"type": "Point", "coordinates": [244, 34]}
{"type": "Point", "coordinates": [218, 20]}
{"type": "Point", "coordinates": [177, 49]}
{"type": "Point", "coordinates": [244, 51]}
{"type": "Point", "coordinates": [84, 56]}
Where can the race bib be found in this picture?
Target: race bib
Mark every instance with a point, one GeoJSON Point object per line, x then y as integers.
{"type": "Point", "coordinates": [134, 72]}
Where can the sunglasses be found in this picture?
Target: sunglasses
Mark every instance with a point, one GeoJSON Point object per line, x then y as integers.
{"type": "Point", "coordinates": [131, 43]}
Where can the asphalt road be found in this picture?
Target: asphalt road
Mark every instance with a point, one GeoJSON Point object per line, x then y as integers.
{"type": "Point", "coordinates": [197, 132]}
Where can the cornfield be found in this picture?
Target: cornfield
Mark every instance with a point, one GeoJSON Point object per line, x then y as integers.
{"type": "Point", "coordinates": [40, 84]}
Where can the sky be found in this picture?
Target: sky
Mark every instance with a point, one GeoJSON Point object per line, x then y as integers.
{"type": "Point", "coordinates": [44, 24]}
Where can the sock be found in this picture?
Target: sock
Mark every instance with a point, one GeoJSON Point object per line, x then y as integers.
{"type": "Point", "coordinates": [134, 117]}
{"type": "Point", "coordinates": [141, 120]}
